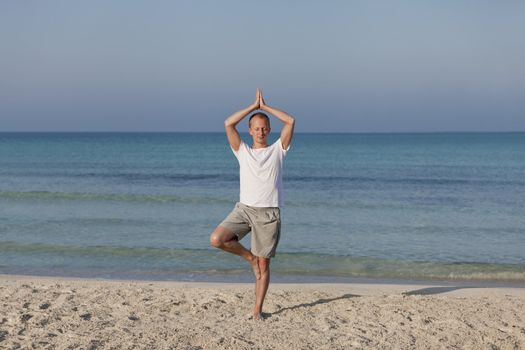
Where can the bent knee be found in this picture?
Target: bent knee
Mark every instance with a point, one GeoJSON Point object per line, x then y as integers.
{"type": "Point", "coordinates": [215, 240]}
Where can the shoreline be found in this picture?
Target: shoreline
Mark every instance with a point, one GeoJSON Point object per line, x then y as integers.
{"type": "Point", "coordinates": [283, 279]}
{"type": "Point", "coordinates": [367, 288]}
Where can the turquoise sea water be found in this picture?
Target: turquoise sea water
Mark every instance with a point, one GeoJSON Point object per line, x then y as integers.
{"type": "Point", "coordinates": [447, 206]}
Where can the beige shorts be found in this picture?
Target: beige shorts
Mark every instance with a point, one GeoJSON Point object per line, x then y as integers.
{"type": "Point", "coordinates": [264, 223]}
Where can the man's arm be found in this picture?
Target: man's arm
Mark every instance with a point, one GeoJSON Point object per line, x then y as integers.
{"type": "Point", "coordinates": [229, 124]}
{"type": "Point", "coordinates": [288, 120]}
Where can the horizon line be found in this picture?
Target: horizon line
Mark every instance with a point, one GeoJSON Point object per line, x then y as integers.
{"type": "Point", "coordinates": [296, 132]}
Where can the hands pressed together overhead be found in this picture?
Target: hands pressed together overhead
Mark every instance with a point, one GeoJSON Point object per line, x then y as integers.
{"type": "Point", "coordinates": [259, 100]}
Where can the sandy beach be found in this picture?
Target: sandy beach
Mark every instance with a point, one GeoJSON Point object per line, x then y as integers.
{"type": "Point", "coordinates": [67, 313]}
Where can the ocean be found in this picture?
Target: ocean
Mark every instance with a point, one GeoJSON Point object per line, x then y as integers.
{"type": "Point", "coordinates": [399, 206]}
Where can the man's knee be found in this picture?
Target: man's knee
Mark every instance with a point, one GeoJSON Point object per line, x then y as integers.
{"type": "Point", "coordinates": [215, 240]}
{"type": "Point", "coordinates": [264, 264]}
{"type": "Point", "coordinates": [220, 236]}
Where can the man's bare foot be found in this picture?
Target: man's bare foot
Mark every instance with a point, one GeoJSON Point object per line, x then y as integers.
{"type": "Point", "coordinates": [255, 267]}
{"type": "Point", "coordinates": [257, 316]}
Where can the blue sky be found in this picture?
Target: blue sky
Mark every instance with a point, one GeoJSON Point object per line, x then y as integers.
{"type": "Point", "coordinates": [346, 66]}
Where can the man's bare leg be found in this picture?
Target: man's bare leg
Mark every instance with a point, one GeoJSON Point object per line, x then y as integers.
{"type": "Point", "coordinates": [261, 286]}
{"type": "Point", "coordinates": [226, 240]}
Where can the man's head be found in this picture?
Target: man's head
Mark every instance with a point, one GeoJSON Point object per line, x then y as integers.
{"type": "Point", "coordinates": [259, 125]}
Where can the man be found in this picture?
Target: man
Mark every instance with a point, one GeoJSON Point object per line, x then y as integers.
{"type": "Point", "coordinates": [260, 193]}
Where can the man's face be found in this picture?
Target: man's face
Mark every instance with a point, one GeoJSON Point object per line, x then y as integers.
{"type": "Point", "coordinates": [259, 129]}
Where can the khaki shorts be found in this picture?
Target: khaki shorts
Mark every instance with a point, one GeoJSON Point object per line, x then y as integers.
{"type": "Point", "coordinates": [265, 224]}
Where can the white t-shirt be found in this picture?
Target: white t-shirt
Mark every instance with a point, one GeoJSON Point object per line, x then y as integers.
{"type": "Point", "coordinates": [260, 172]}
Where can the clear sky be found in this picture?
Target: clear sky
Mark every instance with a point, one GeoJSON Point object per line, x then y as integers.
{"type": "Point", "coordinates": [343, 66]}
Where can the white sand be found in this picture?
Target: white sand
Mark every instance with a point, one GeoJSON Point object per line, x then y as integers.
{"type": "Point", "coordinates": [62, 313]}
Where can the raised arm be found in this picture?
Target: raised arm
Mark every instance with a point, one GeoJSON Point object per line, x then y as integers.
{"type": "Point", "coordinates": [229, 124]}
{"type": "Point", "coordinates": [288, 120]}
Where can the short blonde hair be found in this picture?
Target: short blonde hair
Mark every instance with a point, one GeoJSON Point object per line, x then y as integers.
{"type": "Point", "coordinates": [260, 115]}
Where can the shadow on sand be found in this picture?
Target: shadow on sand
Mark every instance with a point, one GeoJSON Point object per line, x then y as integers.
{"type": "Point", "coordinates": [435, 290]}
{"type": "Point", "coordinates": [422, 291]}
{"type": "Point", "coordinates": [317, 302]}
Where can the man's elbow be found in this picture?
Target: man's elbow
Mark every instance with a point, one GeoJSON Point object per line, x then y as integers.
{"type": "Point", "coordinates": [291, 120]}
